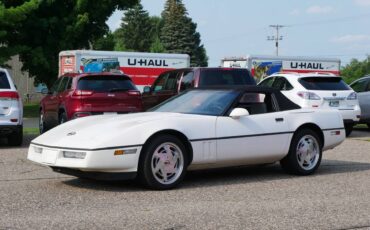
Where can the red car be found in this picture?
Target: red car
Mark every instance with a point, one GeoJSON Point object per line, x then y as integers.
{"type": "Point", "coordinates": [79, 95]}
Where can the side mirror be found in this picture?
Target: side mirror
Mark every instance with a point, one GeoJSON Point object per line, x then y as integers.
{"type": "Point", "coordinates": [45, 91]}
{"type": "Point", "coordinates": [146, 89]}
{"type": "Point", "coordinates": [238, 112]}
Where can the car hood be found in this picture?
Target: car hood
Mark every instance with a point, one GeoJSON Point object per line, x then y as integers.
{"type": "Point", "coordinates": [95, 131]}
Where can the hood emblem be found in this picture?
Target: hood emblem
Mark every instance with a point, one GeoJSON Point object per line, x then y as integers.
{"type": "Point", "coordinates": [334, 94]}
{"type": "Point", "coordinates": [71, 133]}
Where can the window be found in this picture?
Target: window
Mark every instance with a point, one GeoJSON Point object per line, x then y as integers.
{"type": "Point", "coordinates": [160, 82]}
{"type": "Point", "coordinates": [69, 84]}
{"type": "Point", "coordinates": [63, 84]}
{"type": "Point", "coordinates": [55, 85]}
{"type": "Point", "coordinates": [106, 83]}
{"type": "Point", "coordinates": [4, 83]}
{"type": "Point", "coordinates": [267, 82]}
{"type": "Point", "coordinates": [323, 83]}
{"type": "Point", "coordinates": [256, 103]}
{"type": "Point", "coordinates": [360, 85]}
{"type": "Point", "coordinates": [225, 77]}
{"type": "Point", "coordinates": [281, 83]}
{"type": "Point", "coordinates": [171, 82]}
{"type": "Point", "coordinates": [187, 81]}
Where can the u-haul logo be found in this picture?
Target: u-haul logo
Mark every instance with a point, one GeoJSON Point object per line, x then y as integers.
{"type": "Point", "coordinates": [306, 65]}
{"type": "Point", "coordinates": [147, 62]}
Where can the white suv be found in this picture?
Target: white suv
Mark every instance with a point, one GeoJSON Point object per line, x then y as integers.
{"type": "Point", "coordinates": [11, 110]}
{"type": "Point", "coordinates": [318, 90]}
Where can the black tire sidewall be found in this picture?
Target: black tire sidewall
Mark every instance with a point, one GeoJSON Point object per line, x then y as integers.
{"type": "Point", "coordinates": [291, 160]}
{"type": "Point", "coordinates": [62, 116]}
{"type": "Point", "coordinates": [16, 138]}
{"type": "Point", "coordinates": [145, 172]}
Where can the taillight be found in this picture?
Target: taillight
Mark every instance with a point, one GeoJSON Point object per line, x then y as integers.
{"type": "Point", "coordinates": [309, 96]}
{"type": "Point", "coordinates": [9, 95]}
{"type": "Point", "coordinates": [352, 96]}
{"type": "Point", "coordinates": [133, 93]}
{"type": "Point", "coordinates": [83, 93]}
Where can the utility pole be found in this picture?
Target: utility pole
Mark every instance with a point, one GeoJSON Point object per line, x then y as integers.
{"type": "Point", "coordinates": [276, 38]}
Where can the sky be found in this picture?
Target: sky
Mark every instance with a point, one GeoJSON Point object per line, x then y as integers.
{"type": "Point", "coordinates": [315, 28]}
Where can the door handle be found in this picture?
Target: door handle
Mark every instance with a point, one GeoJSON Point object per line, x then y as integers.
{"type": "Point", "coordinates": [280, 119]}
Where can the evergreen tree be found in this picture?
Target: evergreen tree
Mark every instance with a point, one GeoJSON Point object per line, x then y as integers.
{"type": "Point", "coordinates": [179, 33]}
{"type": "Point", "coordinates": [137, 29]}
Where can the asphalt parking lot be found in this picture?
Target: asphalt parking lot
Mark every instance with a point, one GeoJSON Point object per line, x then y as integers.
{"type": "Point", "coordinates": [336, 197]}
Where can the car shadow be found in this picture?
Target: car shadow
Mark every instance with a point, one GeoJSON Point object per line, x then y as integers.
{"type": "Point", "coordinates": [25, 144]}
{"type": "Point", "coordinates": [224, 176]}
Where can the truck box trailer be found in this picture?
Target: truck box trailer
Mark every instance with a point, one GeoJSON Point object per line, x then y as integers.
{"type": "Point", "coordinates": [143, 68]}
{"type": "Point", "coordinates": [262, 66]}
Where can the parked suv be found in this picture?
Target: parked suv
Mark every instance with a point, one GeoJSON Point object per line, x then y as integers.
{"type": "Point", "coordinates": [172, 82]}
{"type": "Point", "coordinates": [79, 95]}
{"type": "Point", "coordinates": [362, 87]}
{"type": "Point", "coordinates": [11, 110]}
{"type": "Point", "coordinates": [316, 90]}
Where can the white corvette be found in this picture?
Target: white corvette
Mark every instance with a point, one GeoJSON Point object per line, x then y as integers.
{"type": "Point", "coordinates": [202, 128]}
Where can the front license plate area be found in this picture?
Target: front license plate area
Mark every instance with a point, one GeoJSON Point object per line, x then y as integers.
{"type": "Point", "coordinates": [334, 103]}
{"type": "Point", "coordinates": [49, 156]}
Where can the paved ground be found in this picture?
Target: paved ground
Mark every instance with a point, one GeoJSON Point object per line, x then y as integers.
{"type": "Point", "coordinates": [337, 197]}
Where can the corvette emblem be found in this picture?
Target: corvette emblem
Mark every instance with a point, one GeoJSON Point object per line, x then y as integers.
{"type": "Point", "coordinates": [71, 133]}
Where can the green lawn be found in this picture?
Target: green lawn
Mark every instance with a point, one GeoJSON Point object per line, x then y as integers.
{"type": "Point", "coordinates": [31, 110]}
{"type": "Point", "coordinates": [31, 131]}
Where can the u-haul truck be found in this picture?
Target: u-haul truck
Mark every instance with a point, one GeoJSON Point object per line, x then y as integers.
{"type": "Point", "coordinates": [262, 66]}
{"type": "Point", "coordinates": [143, 68]}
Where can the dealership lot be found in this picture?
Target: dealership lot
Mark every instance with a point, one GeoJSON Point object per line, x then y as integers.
{"type": "Point", "coordinates": [336, 197]}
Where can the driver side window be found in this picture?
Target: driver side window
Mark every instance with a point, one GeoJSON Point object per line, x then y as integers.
{"type": "Point", "coordinates": [256, 103]}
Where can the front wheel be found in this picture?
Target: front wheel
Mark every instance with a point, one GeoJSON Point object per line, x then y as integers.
{"type": "Point", "coordinates": [349, 129]}
{"type": "Point", "coordinates": [305, 153]}
{"type": "Point", "coordinates": [163, 163]}
{"type": "Point", "coordinates": [42, 124]}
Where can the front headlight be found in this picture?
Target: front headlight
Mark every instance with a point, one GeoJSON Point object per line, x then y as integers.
{"type": "Point", "coordinates": [76, 155]}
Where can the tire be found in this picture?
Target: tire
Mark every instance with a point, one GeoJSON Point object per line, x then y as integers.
{"type": "Point", "coordinates": [348, 129]}
{"type": "Point", "coordinates": [42, 124]}
{"type": "Point", "coordinates": [305, 140]}
{"type": "Point", "coordinates": [368, 125]}
{"type": "Point", "coordinates": [16, 138]}
{"type": "Point", "coordinates": [62, 118]}
{"type": "Point", "coordinates": [156, 162]}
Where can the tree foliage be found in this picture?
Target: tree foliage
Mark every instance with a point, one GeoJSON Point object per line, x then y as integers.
{"type": "Point", "coordinates": [179, 34]}
{"type": "Point", "coordinates": [41, 29]}
{"type": "Point", "coordinates": [137, 29]}
{"type": "Point", "coordinates": [356, 69]}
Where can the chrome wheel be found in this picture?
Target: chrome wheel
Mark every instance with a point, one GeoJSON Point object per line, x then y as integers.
{"type": "Point", "coordinates": [308, 152]}
{"type": "Point", "coordinates": [41, 123]}
{"type": "Point", "coordinates": [167, 163]}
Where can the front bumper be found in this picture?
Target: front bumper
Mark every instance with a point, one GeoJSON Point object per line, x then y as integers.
{"type": "Point", "coordinates": [96, 161]}
{"type": "Point", "coordinates": [96, 175]}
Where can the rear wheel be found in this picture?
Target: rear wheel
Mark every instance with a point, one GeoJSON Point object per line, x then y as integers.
{"type": "Point", "coordinates": [16, 138]}
{"type": "Point", "coordinates": [62, 118]}
{"type": "Point", "coordinates": [348, 128]}
{"type": "Point", "coordinates": [163, 163]}
{"type": "Point", "coordinates": [305, 153]}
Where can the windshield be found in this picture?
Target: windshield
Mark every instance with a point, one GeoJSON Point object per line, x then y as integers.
{"type": "Point", "coordinates": [204, 102]}
{"type": "Point", "coordinates": [324, 83]}
{"type": "Point", "coordinates": [106, 83]}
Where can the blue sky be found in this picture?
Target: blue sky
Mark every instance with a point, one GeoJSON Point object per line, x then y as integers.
{"type": "Point", "coordinates": [326, 28]}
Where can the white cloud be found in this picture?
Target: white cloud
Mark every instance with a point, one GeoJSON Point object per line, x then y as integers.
{"type": "Point", "coordinates": [295, 12]}
{"type": "Point", "coordinates": [319, 9]}
{"type": "Point", "coordinates": [352, 38]}
{"type": "Point", "coordinates": [362, 2]}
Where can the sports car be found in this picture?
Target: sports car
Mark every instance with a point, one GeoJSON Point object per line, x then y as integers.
{"type": "Point", "coordinates": [198, 129]}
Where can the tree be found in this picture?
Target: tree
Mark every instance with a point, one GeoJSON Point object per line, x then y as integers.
{"type": "Point", "coordinates": [104, 43]}
{"type": "Point", "coordinates": [52, 26]}
{"type": "Point", "coordinates": [179, 33]}
{"type": "Point", "coordinates": [356, 69]}
{"type": "Point", "coordinates": [137, 30]}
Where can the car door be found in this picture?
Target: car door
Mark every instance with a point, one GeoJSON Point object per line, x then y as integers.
{"type": "Point", "coordinates": [257, 138]}
{"type": "Point", "coordinates": [50, 102]}
{"type": "Point", "coordinates": [53, 104]}
{"type": "Point", "coordinates": [362, 87]}
{"type": "Point", "coordinates": [163, 88]}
